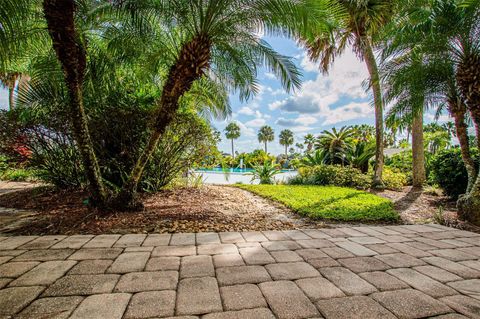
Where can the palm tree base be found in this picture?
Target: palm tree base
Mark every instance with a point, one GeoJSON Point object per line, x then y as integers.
{"type": "Point", "coordinates": [126, 202]}
{"type": "Point", "coordinates": [378, 185]}
{"type": "Point", "coordinates": [469, 208]}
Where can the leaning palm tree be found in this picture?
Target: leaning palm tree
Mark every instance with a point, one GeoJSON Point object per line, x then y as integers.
{"type": "Point", "coordinates": [232, 132]}
{"type": "Point", "coordinates": [60, 17]}
{"type": "Point", "coordinates": [220, 40]}
{"type": "Point", "coordinates": [286, 139]}
{"type": "Point", "coordinates": [359, 29]}
{"type": "Point", "coordinates": [265, 135]}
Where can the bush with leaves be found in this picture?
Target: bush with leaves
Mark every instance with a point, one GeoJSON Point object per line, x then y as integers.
{"type": "Point", "coordinates": [448, 171]}
{"type": "Point", "coordinates": [118, 135]}
{"type": "Point", "coordinates": [332, 175]}
{"type": "Point", "coordinates": [394, 179]}
{"type": "Point", "coordinates": [265, 172]}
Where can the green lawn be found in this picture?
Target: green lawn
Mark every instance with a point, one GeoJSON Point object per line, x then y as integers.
{"type": "Point", "coordinates": [329, 202]}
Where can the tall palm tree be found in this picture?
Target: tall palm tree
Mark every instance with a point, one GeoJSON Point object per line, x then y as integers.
{"type": "Point", "coordinates": [449, 35]}
{"type": "Point", "coordinates": [232, 132]}
{"type": "Point", "coordinates": [220, 40]}
{"type": "Point", "coordinates": [309, 140]}
{"type": "Point", "coordinates": [336, 144]}
{"type": "Point", "coordinates": [265, 135]}
{"type": "Point", "coordinates": [406, 85]}
{"type": "Point", "coordinates": [361, 24]}
{"type": "Point", "coordinates": [286, 139]}
{"type": "Point", "coordinates": [70, 51]}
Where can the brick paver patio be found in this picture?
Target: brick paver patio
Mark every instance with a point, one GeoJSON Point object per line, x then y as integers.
{"type": "Point", "coordinates": [411, 271]}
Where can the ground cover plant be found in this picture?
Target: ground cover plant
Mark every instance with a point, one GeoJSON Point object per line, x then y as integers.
{"type": "Point", "coordinates": [329, 202]}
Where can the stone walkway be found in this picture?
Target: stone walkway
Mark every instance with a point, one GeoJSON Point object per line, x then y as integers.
{"type": "Point", "coordinates": [414, 271]}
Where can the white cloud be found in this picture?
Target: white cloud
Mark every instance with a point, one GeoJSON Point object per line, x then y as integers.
{"type": "Point", "coordinates": [270, 75]}
{"type": "Point", "coordinates": [307, 64]}
{"type": "Point", "coordinates": [258, 122]}
{"type": "Point", "coordinates": [246, 110]}
{"type": "Point", "coordinates": [301, 121]}
{"type": "Point", "coordinates": [317, 97]}
{"type": "Point", "coordinates": [244, 130]}
{"type": "Point", "coordinates": [349, 112]}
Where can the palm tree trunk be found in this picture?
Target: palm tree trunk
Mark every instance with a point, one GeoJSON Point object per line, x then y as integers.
{"type": "Point", "coordinates": [61, 27]}
{"type": "Point", "coordinates": [233, 151]}
{"type": "Point", "coordinates": [457, 110]}
{"type": "Point", "coordinates": [418, 150]}
{"type": "Point", "coordinates": [266, 147]}
{"type": "Point", "coordinates": [190, 66]}
{"type": "Point", "coordinates": [11, 96]}
{"type": "Point", "coordinates": [378, 101]}
{"type": "Point", "coordinates": [469, 84]}
{"type": "Point", "coordinates": [286, 152]}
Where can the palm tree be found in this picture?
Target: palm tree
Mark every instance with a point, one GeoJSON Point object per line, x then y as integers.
{"type": "Point", "coordinates": [60, 17]}
{"type": "Point", "coordinates": [362, 23]}
{"type": "Point", "coordinates": [318, 157]}
{"type": "Point", "coordinates": [220, 40]}
{"type": "Point", "coordinates": [336, 144]}
{"type": "Point", "coordinates": [232, 132]}
{"type": "Point", "coordinates": [286, 139]}
{"type": "Point", "coordinates": [265, 135]}
{"type": "Point", "coordinates": [406, 82]}
{"type": "Point", "coordinates": [449, 38]}
{"type": "Point", "coordinates": [309, 140]}
{"type": "Point", "coordinates": [299, 147]}
{"type": "Point", "coordinates": [8, 81]}
{"type": "Point", "coordinates": [364, 132]}
{"type": "Point", "coordinates": [359, 155]}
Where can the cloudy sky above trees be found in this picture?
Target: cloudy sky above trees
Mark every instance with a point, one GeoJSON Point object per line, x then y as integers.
{"type": "Point", "coordinates": [323, 102]}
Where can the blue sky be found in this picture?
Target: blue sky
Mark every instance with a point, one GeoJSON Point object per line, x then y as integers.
{"type": "Point", "coordinates": [324, 101]}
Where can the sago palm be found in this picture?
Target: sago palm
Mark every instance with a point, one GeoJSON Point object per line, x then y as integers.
{"type": "Point", "coordinates": [360, 27]}
{"type": "Point", "coordinates": [336, 144]}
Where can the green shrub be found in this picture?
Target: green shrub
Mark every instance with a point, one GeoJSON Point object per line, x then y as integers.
{"type": "Point", "coordinates": [401, 162]}
{"type": "Point", "coordinates": [18, 175]}
{"type": "Point", "coordinates": [331, 175]}
{"type": "Point", "coordinates": [329, 202]}
{"type": "Point", "coordinates": [393, 179]}
{"type": "Point", "coordinates": [448, 171]}
{"type": "Point", "coordinates": [118, 135]}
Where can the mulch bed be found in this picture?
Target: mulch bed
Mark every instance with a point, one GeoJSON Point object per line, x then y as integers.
{"type": "Point", "coordinates": [209, 208]}
{"type": "Point", "coordinates": [204, 209]}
